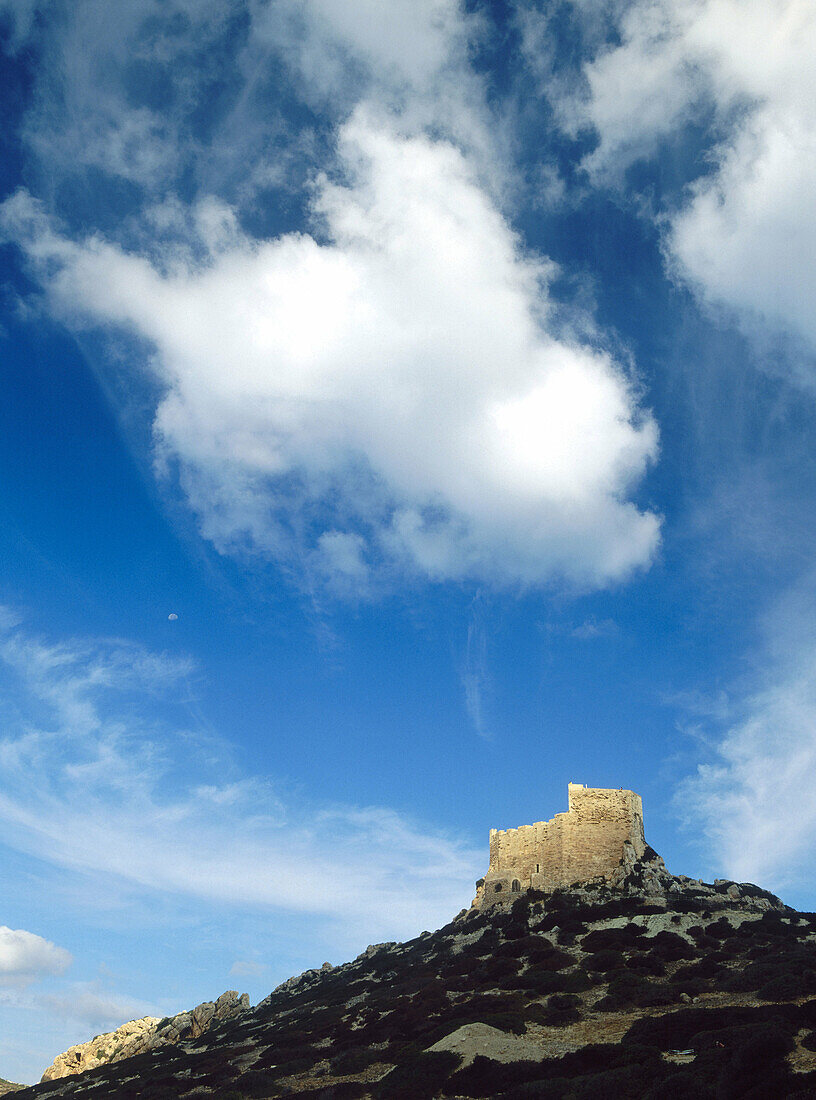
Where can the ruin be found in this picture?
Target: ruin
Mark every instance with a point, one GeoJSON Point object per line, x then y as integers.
{"type": "Point", "coordinates": [588, 842]}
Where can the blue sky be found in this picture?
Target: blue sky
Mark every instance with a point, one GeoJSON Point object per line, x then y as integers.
{"type": "Point", "coordinates": [447, 371]}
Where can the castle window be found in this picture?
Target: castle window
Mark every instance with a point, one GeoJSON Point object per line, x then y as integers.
{"type": "Point", "coordinates": [498, 887]}
{"type": "Point", "coordinates": [538, 868]}
{"type": "Point", "coordinates": [516, 886]}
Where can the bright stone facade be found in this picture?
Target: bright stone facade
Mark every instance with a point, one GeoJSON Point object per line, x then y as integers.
{"type": "Point", "coordinates": [585, 843]}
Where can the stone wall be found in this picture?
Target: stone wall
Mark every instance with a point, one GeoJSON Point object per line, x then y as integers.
{"type": "Point", "coordinates": [582, 844]}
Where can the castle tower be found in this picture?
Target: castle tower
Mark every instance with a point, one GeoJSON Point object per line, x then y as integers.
{"type": "Point", "coordinates": [585, 843]}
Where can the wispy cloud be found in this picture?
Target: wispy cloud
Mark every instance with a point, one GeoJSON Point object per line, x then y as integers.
{"type": "Point", "coordinates": [752, 801]}
{"type": "Point", "coordinates": [594, 628]}
{"type": "Point", "coordinates": [98, 780]}
{"type": "Point", "coordinates": [475, 677]}
{"type": "Point", "coordinates": [90, 1006]}
{"type": "Point", "coordinates": [247, 968]}
{"type": "Point", "coordinates": [741, 234]}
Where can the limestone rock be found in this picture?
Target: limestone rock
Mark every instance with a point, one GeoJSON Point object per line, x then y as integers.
{"type": "Point", "coordinates": [149, 1033]}
{"type": "Point", "coordinates": [131, 1038]}
{"type": "Point", "coordinates": [473, 1039]}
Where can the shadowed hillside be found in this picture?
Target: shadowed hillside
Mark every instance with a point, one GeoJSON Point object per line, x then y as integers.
{"type": "Point", "coordinates": [661, 985]}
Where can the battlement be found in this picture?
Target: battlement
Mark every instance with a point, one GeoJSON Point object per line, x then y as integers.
{"type": "Point", "coordinates": [585, 843]}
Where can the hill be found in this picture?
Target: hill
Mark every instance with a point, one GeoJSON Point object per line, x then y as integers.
{"type": "Point", "coordinates": [657, 984]}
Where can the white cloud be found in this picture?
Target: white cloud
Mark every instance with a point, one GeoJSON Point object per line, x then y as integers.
{"type": "Point", "coordinates": [242, 968]}
{"type": "Point", "coordinates": [382, 396]}
{"type": "Point", "coordinates": [101, 72]}
{"type": "Point", "coordinates": [753, 803]}
{"type": "Point", "coordinates": [410, 57]}
{"type": "Point", "coordinates": [95, 780]}
{"type": "Point", "coordinates": [383, 393]}
{"type": "Point", "coordinates": [25, 956]}
{"type": "Point", "coordinates": [161, 92]}
{"type": "Point", "coordinates": [94, 1009]}
{"type": "Point", "coordinates": [594, 628]}
{"type": "Point", "coordinates": [744, 236]}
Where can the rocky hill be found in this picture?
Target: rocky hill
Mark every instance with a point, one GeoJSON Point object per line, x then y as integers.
{"type": "Point", "coordinates": [658, 986]}
{"type": "Point", "coordinates": [9, 1086]}
{"type": "Point", "coordinates": [149, 1033]}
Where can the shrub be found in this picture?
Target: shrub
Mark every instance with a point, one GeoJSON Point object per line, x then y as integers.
{"type": "Point", "coordinates": [539, 950]}
{"type": "Point", "coordinates": [420, 1077]}
{"type": "Point", "coordinates": [561, 1010]}
{"type": "Point", "coordinates": [786, 987]}
{"type": "Point", "coordinates": [752, 1060]}
{"type": "Point", "coordinates": [486, 944]}
{"type": "Point", "coordinates": [676, 1030]}
{"type": "Point", "coordinates": [684, 1084]}
{"type": "Point", "coordinates": [611, 1071]}
{"type": "Point", "coordinates": [669, 947]}
{"type": "Point", "coordinates": [705, 968]}
{"type": "Point", "coordinates": [604, 961]}
{"type": "Point", "coordinates": [721, 929]}
{"type": "Point", "coordinates": [646, 964]}
{"type": "Point", "coordinates": [549, 981]}
{"type": "Point", "coordinates": [619, 938]}
{"type": "Point", "coordinates": [496, 969]}
{"type": "Point", "coordinates": [344, 1090]}
{"type": "Point", "coordinates": [624, 989]}
{"type": "Point", "coordinates": [256, 1083]}
{"type": "Point", "coordinates": [486, 1078]}
{"type": "Point", "coordinates": [353, 1061]}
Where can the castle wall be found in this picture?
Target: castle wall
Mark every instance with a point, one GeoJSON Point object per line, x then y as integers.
{"type": "Point", "coordinates": [584, 843]}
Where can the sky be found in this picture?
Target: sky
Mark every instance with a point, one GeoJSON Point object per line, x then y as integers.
{"type": "Point", "coordinates": [407, 407]}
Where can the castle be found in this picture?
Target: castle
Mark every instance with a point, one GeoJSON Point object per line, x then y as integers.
{"type": "Point", "coordinates": [587, 842]}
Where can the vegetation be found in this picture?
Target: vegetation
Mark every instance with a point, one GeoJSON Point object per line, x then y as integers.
{"type": "Point", "coordinates": [363, 1030]}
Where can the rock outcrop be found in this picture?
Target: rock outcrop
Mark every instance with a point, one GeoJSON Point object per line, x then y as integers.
{"type": "Point", "coordinates": [654, 985]}
{"type": "Point", "coordinates": [149, 1033]}
{"type": "Point", "coordinates": [629, 981]}
{"type": "Point", "coordinates": [9, 1086]}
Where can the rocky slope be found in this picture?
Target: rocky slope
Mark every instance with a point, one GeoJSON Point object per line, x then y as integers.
{"type": "Point", "coordinates": [149, 1033]}
{"type": "Point", "coordinates": [9, 1086]}
{"type": "Point", "coordinates": [659, 985]}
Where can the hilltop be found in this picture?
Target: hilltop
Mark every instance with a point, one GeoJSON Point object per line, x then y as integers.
{"type": "Point", "coordinates": [659, 983]}
{"type": "Point", "coordinates": [583, 968]}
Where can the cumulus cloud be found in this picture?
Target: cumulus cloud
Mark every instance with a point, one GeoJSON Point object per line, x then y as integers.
{"type": "Point", "coordinates": [752, 799]}
{"type": "Point", "coordinates": [25, 956]}
{"type": "Point", "coordinates": [99, 776]}
{"type": "Point", "coordinates": [743, 236]}
{"type": "Point", "coordinates": [384, 393]}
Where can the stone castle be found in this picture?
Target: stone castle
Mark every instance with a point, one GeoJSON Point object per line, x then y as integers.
{"type": "Point", "coordinates": [590, 841]}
